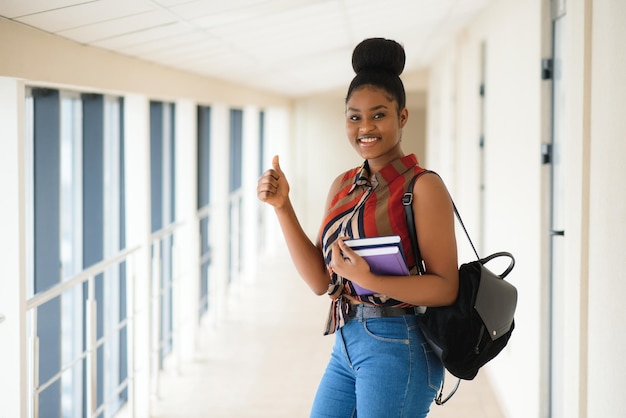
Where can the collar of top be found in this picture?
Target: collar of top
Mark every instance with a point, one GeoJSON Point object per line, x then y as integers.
{"type": "Point", "coordinates": [386, 175]}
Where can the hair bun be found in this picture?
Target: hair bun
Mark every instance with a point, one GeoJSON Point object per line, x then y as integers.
{"type": "Point", "coordinates": [379, 54]}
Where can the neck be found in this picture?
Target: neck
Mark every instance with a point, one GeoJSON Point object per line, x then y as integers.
{"type": "Point", "coordinates": [377, 164]}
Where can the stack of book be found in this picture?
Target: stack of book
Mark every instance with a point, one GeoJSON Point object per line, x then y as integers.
{"type": "Point", "coordinates": [384, 256]}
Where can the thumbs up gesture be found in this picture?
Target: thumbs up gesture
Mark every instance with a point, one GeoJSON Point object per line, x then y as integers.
{"type": "Point", "coordinates": [273, 187]}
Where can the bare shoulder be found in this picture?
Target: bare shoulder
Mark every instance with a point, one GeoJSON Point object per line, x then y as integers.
{"type": "Point", "coordinates": [334, 186]}
{"type": "Point", "coordinates": [332, 192]}
{"type": "Point", "coordinates": [430, 183]}
{"type": "Point", "coordinates": [431, 193]}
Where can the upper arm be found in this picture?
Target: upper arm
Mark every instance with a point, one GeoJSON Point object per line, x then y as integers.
{"type": "Point", "coordinates": [434, 223]}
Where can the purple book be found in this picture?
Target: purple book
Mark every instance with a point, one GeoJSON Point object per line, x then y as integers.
{"type": "Point", "coordinates": [385, 259]}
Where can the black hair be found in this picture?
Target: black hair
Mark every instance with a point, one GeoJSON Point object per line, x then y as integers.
{"type": "Point", "coordinates": [379, 62]}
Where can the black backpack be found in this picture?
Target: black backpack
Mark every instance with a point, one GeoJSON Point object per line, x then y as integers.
{"type": "Point", "coordinates": [472, 331]}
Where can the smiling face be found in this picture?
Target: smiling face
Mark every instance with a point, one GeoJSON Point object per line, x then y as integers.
{"type": "Point", "coordinates": [374, 125]}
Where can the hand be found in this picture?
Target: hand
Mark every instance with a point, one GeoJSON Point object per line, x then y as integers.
{"type": "Point", "coordinates": [273, 187]}
{"type": "Point", "coordinates": [346, 263]}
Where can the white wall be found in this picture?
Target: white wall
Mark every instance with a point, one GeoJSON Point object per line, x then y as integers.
{"type": "Point", "coordinates": [12, 247]}
{"type": "Point", "coordinates": [516, 200]}
{"type": "Point", "coordinates": [218, 226]}
{"type": "Point", "coordinates": [137, 161]}
{"type": "Point", "coordinates": [513, 206]}
{"type": "Point", "coordinates": [606, 343]}
{"type": "Point", "coordinates": [186, 268]}
{"type": "Point", "coordinates": [577, 159]}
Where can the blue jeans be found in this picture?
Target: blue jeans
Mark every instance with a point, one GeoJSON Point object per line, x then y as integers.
{"type": "Point", "coordinates": [379, 368]}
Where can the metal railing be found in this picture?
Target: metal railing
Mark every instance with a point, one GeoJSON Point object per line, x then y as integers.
{"type": "Point", "coordinates": [163, 338]}
{"type": "Point", "coordinates": [92, 342]}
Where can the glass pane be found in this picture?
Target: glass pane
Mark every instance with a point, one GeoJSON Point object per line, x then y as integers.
{"type": "Point", "coordinates": [71, 186]}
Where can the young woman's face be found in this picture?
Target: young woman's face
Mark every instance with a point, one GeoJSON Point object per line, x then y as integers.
{"type": "Point", "coordinates": [373, 125]}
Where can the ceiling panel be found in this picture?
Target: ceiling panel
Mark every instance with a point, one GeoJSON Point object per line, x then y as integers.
{"type": "Point", "coordinates": [157, 36]}
{"type": "Point", "coordinates": [169, 47]}
{"type": "Point", "coordinates": [168, 3]}
{"type": "Point", "coordinates": [115, 27]}
{"type": "Point", "coordinates": [15, 8]}
{"type": "Point", "coordinates": [259, 11]}
{"type": "Point", "coordinates": [199, 8]}
{"type": "Point", "coordinates": [85, 14]}
{"type": "Point", "coordinates": [188, 53]}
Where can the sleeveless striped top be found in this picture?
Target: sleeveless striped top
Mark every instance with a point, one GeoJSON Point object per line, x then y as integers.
{"type": "Point", "coordinates": [366, 206]}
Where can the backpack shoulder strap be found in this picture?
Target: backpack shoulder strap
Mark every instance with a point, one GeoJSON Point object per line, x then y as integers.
{"type": "Point", "coordinates": [407, 201]}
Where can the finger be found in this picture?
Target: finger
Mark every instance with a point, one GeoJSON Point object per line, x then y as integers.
{"type": "Point", "coordinates": [269, 175]}
{"type": "Point", "coordinates": [346, 251]}
{"type": "Point", "coordinates": [268, 188]}
{"type": "Point", "coordinates": [276, 165]}
{"type": "Point", "coordinates": [335, 254]}
{"type": "Point", "coordinates": [263, 196]}
{"type": "Point", "coordinates": [339, 256]}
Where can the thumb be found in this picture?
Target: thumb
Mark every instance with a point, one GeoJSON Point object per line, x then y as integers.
{"type": "Point", "coordinates": [276, 165]}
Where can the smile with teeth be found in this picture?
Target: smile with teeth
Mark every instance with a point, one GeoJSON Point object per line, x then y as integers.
{"type": "Point", "coordinates": [368, 139]}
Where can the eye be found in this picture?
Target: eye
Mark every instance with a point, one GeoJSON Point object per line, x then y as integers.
{"type": "Point", "coordinates": [354, 118]}
{"type": "Point", "coordinates": [379, 115]}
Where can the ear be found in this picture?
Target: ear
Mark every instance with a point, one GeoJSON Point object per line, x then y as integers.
{"type": "Point", "coordinates": [404, 116]}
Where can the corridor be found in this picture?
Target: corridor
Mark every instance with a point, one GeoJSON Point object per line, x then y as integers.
{"type": "Point", "coordinates": [264, 359]}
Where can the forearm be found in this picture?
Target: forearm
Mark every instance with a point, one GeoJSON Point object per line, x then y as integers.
{"type": "Point", "coordinates": [439, 287]}
{"type": "Point", "coordinates": [306, 257]}
{"type": "Point", "coordinates": [424, 290]}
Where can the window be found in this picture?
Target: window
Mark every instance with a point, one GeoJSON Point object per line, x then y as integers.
{"type": "Point", "coordinates": [75, 220]}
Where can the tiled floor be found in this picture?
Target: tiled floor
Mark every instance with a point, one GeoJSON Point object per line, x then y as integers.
{"type": "Point", "coordinates": [264, 360]}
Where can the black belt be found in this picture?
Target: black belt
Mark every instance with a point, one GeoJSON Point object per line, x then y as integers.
{"type": "Point", "coordinates": [367, 311]}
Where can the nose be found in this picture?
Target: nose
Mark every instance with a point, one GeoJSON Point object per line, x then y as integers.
{"type": "Point", "coordinates": [365, 126]}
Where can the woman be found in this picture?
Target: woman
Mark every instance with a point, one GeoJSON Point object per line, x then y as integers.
{"type": "Point", "coordinates": [380, 366]}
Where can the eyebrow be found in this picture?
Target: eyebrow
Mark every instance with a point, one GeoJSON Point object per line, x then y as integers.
{"type": "Point", "coordinates": [371, 109]}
